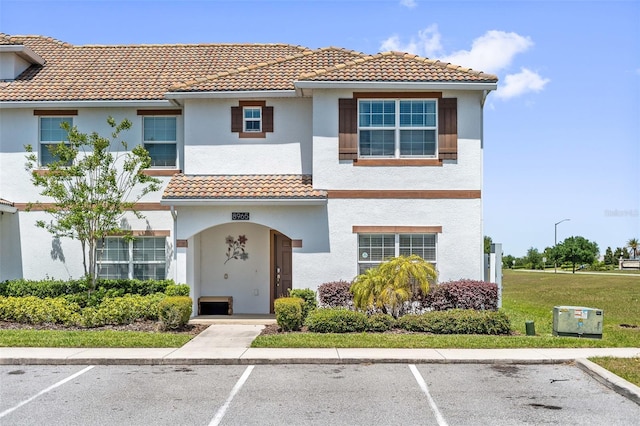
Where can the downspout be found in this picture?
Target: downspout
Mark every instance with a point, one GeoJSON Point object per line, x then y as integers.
{"type": "Point", "coordinates": [174, 214]}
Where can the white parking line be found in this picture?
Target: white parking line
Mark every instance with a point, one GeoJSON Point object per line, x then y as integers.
{"type": "Point", "coordinates": [42, 392]}
{"type": "Point", "coordinates": [222, 410]}
{"type": "Point", "coordinates": [423, 385]}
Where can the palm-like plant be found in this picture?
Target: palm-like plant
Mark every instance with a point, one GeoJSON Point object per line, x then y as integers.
{"type": "Point", "coordinates": [392, 283]}
{"type": "Point", "coordinates": [633, 245]}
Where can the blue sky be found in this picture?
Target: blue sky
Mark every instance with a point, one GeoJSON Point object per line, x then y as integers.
{"type": "Point", "coordinates": [562, 133]}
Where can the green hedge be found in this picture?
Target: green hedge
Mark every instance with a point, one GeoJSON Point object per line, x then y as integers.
{"type": "Point", "coordinates": [336, 320]}
{"type": "Point", "coordinates": [35, 310]}
{"type": "Point", "coordinates": [457, 321]}
{"type": "Point", "coordinates": [288, 312]}
{"type": "Point", "coordinates": [380, 322]}
{"type": "Point", "coordinates": [309, 298]}
{"type": "Point", "coordinates": [56, 288]}
{"type": "Point", "coordinates": [175, 311]}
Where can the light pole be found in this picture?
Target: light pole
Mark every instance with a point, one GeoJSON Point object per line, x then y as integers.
{"type": "Point", "coordinates": [555, 243]}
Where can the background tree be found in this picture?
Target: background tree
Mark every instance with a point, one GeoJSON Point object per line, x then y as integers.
{"type": "Point", "coordinates": [609, 258]}
{"type": "Point", "coordinates": [633, 245]}
{"type": "Point", "coordinates": [507, 261]}
{"type": "Point", "coordinates": [621, 252]}
{"type": "Point", "coordinates": [533, 259]}
{"type": "Point", "coordinates": [576, 250]}
{"type": "Point", "coordinates": [91, 187]}
{"type": "Point", "coordinates": [487, 244]}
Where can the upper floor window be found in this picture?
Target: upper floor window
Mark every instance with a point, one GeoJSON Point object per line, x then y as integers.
{"type": "Point", "coordinates": [143, 258]}
{"type": "Point", "coordinates": [160, 139]}
{"type": "Point", "coordinates": [51, 134]}
{"type": "Point", "coordinates": [252, 119]}
{"type": "Point", "coordinates": [397, 128]}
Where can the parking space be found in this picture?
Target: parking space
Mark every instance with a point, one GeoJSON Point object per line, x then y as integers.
{"type": "Point", "coordinates": [388, 394]}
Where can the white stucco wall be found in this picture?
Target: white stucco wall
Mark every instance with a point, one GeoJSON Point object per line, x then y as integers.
{"type": "Point", "coordinates": [246, 280]}
{"type": "Point", "coordinates": [11, 65]}
{"type": "Point", "coordinates": [211, 147]}
{"type": "Point", "coordinates": [10, 259]}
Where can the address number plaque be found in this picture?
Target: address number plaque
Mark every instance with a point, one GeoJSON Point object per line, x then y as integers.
{"type": "Point", "coordinates": [239, 215]}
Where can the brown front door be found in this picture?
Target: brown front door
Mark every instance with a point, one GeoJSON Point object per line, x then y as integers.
{"type": "Point", "coordinates": [280, 266]}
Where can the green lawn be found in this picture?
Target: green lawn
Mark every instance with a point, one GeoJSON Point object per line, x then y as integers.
{"type": "Point", "coordinates": [527, 296]}
{"type": "Point", "coordinates": [91, 339]}
{"type": "Point", "coordinates": [627, 368]}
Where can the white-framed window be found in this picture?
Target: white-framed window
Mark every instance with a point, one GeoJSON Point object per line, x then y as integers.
{"type": "Point", "coordinates": [160, 139]}
{"type": "Point", "coordinates": [252, 119]}
{"type": "Point", "coordinates": [51, 133]}
{"type": "Point", "coordinates": [141, 258]}
{"type": "Point", "coordinates": [397, 128]}
{"type": "Point", "coordinates": [373, 249]}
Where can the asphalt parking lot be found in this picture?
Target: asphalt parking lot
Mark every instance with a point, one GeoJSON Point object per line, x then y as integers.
{"type": "Point", "coordinates": [306, 394]}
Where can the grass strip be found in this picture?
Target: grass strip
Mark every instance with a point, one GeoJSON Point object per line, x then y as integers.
{"type": "Point", "coordinates": [627, 368]}
{"type": "Point", "coordinates": [90, 339]}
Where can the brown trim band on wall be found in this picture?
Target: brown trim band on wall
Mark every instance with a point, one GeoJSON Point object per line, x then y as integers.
{"type": "Point", "coordinates": [159, 112]}
{"type": "Point", "coordinates": [144, 233]}
{"type": "Point", "coordinates": [396, 229]}
{"type": "Point", "coordinates": [296, 243]}
{"type": "Point", "coordinates": [161, 172]}
{"type": "Point", "coordinates": [398, 162]}
{"type": "Point", "coordinates": [252, 103]}
{"type": "Point", "coordinates": [43, 206]}
{"type": "Point", "coordinates": [408, 95]}
{"type": "Point", "coordinates": [55, 112]}
{"type": "Point", "coordinates": [406, 194]}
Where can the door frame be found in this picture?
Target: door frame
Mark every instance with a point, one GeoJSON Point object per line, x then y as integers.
{"type": "Point", "coordinates": [272, 265]}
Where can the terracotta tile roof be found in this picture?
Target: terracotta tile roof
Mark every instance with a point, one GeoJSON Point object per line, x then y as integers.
{"type": "Point", "coordinates": [5, 202]}
{"type": "Point", "coordinates": [147, 72]}
{"type": "Point", "coordinates": [211, 187]}
{"type": "Point", "coordinates": [398, 66]}
{"type": "Point", "coordinates": [126, 72]}
{"type": "Point", "coordinates": [278, 74]}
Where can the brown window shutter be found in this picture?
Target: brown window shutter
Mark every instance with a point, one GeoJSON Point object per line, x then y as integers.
{"type": "Point", "coordinates": [448, 129]}
{"type": "Point", "coordinates": [348, 129]}
{"type": "Point", "coordinates": [236, 119]}
{"type": "Point", "coordinates": [267, 119]}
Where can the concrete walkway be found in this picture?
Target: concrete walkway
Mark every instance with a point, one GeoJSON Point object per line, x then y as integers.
{"type": "Point", "coordinates": [229, 344]}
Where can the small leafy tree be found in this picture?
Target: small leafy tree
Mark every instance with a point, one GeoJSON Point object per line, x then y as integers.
{"type": "Point", "coordinates": [392, 283]}
{"type": "Point", "coordinates": [487, 244]}
{"type": "Point", "coordinates": [91, 187]}
{"type": "Point", "coordinates": [577, 250]}
{"type": "Point", "coordinates": [609, 259]}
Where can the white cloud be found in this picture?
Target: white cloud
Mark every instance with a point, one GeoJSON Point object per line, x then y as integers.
{"type": "Point", "coordinates": [409, 3]}
{"type": "Point", "coordinates": [491, 52]}
{"type": "Point", "coordinates": [525, 81]}
{"type": "Point", "coordinates": [426, 44]}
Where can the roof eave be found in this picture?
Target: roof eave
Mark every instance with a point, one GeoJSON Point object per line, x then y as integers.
{"type": "Point", "coordinates": [204, 202]}
{"type": "Point", "coordinates": [245, 94]}
{"type": "Point", "coordinates": [86, 103]}
{"type": "Point", "coordinates": [396, 85]}
{"type": "Point", "coordinates": [24, 52]}
{"type": "Point", "coordinates": [4, 208]}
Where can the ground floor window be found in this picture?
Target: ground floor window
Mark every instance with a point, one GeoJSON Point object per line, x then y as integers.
{"type": "Point", "coordinates": [142, 258]}
{"type": "Point", "coordinates": [373, 249]}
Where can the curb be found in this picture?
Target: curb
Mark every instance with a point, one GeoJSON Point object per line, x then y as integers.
{"type": "Point", "coordinates": [610, 380]}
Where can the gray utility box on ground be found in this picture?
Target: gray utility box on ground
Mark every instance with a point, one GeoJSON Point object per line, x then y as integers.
{"type": "Point", "coordinates": [577, 321]}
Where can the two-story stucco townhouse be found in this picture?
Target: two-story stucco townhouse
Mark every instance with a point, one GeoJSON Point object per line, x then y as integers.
{"type": "Point", "coordinates": [282, 166]}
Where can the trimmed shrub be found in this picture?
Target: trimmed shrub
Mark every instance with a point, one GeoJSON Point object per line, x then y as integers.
{"type": "Point", "coordinates": [177, 290]}
{"type": "Point", "coordinates": [56, 288]}
{"type": "Point", "coordinates": [34, 310]}
{"type": "Point", "coordinates": [380, 322]}
{"type": "Point", "coordinates": [309, 298]}
{"type": "Point", "coordinates": [336, 320]}
{"type": "Point", "coordinates": [122, 310]}
{"type": "Point", "coordinates": [463, 294]}
{"type": "Point", "coordinates": [457, 321]}
{"type": "Point", "coordinates": [288, 312]}
{"type": "Point", "coordinates": [174, 311]}
{"type": "Point", "coordinates": [335, 294]}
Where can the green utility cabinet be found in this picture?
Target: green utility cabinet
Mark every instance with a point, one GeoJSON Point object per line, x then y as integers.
{"type": "Point", "coordinates": [577, 321]}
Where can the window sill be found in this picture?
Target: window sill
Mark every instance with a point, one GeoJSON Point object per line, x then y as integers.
{"type": "Point", "coordinates": [254, 135]}
{"type": "Point", "coordinates": [398, 162]}
{"type": "Point", "coordinates": [161, 172]}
